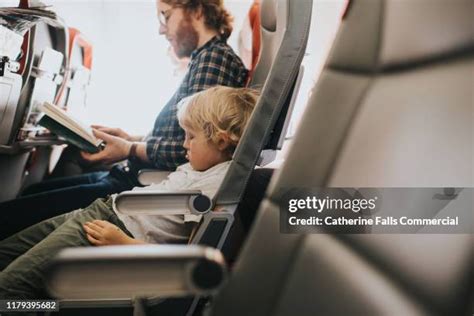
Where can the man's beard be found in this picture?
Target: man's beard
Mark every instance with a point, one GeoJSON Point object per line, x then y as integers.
{"type": "Point", "coordinates": [187, 38]}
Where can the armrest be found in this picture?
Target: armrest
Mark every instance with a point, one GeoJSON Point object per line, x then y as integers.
{"type": "Point", "coordinates": [135, 271]}
{"type": "Point", "coordinates": [150, 176]}
{"type": "Point", "coordinates": [163, 202]}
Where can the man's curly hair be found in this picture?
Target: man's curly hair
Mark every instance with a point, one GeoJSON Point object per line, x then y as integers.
{"type": "Point", "coordinates": [216, 17]}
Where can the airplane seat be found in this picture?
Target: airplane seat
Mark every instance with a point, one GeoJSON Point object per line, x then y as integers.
{"type": "Point", "coordinates": [43, 84]}
{"type": "Point", "coordinates": [267, 128]}
{"type": "Point", "coordinates": [11, 166]}
{"type": "Point", "coordinates": [269, 39]}
{"type": "Point", "coordinates": [54, 66]}
{"type": "Point", "coordinates": [392, 108]}
{"type": "Point", "coordinates": [23, 152]}
{"type": "Point", "coordinates": [279, 87]}
{"type": "Point", "coordinates": [271, 34]}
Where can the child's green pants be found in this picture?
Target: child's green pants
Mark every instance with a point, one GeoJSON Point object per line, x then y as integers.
{"type": "Point", "coordinates": [25, 255]}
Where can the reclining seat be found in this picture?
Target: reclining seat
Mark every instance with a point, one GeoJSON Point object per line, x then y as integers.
{"type": "Point", "coordinates": [41, 65]}
{"type": "Point", "coordinates": [383, 90]}
{"type": "Point", "coordinates": [43, 84]}
{"type": "Point", "coordinates": [286, 50]}
{"type": "Point", "coordinates": [10, 88]}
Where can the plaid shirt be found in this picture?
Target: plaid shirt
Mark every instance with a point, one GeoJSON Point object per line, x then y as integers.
{"type": "Point", "coordinates": [215, 63]}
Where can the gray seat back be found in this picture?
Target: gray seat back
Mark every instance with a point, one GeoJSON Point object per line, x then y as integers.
{"type": "Point", "coordinates": [285, 52]}
{"type": "Point", "coordinates": [47, 50]}
{"type": "Point", "coordinates": [285, 57]}
{"type": "Point", "coordinates": [392, 108]}
{"type": "Point", "coordinates": [36, 81]}
{"type": "Point", "coordinates": [49, 55]}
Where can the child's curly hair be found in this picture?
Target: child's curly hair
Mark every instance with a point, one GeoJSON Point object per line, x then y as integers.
{"type": "Point", "coordinates": [219, 109]}
{"type": "Point", "coordinates": [216, 17]}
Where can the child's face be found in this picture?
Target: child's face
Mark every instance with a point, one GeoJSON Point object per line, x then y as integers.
{"type": "Point", "coordinates": [202, 153]}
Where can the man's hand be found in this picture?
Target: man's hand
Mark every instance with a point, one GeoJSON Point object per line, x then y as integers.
{"type": "Point", "coordinates": [116, 149]}
{"type": "Point", "coordinates": [103, 233]}
{"type": "Point", "coordinates": [117, 132]}
{"type": "Point", "coordinates": [113, 131]}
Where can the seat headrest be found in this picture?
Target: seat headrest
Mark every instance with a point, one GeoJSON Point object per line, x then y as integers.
{"type": "Point", "coordinates": [268, 15]}
{"type": "Point", "coordinates": [391, 33]}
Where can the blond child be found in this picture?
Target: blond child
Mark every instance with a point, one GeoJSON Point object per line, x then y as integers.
{"type": "Point", "coordinates": [213, 121]}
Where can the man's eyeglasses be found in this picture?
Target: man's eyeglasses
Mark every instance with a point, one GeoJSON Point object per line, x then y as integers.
{"type": "Point", "coordinates": [164, 16]}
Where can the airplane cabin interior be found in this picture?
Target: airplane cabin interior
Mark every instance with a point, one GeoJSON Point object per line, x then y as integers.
{"type": "Point", "coordinates": [372, 107]}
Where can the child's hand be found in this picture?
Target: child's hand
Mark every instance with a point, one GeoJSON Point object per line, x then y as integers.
{"type": "Point", "coordinates": [102, 233]}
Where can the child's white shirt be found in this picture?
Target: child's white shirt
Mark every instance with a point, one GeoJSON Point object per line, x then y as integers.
{"type": "Point", "coordinates": [172, 228]}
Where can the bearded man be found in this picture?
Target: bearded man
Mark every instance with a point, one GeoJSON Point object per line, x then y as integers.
{"type": "Point", "coordinates": [197, 29]}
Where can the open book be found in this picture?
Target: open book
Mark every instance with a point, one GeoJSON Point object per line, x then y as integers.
{"type": "Point", "coordinates": [71, 129]}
